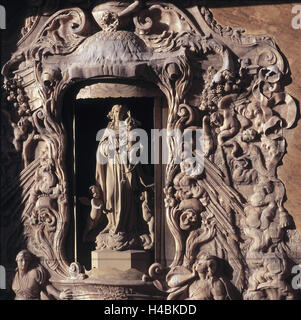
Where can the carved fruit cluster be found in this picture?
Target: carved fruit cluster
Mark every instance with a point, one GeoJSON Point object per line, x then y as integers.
{"type": "Point", "coordinates": [17, 96]}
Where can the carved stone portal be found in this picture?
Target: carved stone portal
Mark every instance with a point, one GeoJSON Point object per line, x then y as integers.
{"type": "Point", "coordinates": [233, 238]}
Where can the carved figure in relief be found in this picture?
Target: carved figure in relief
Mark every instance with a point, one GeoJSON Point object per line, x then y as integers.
{"type": "Point", "coordinates": [203, 282]}
{"type": "Point", "coordinates": [207, 286]}
{"type": "Point", "coordinates": [31, 281]}
{"type": "Point", "coordinates": [148, 216]}
{"type": "Point", "coordinates": [96, 213]}
{"type": "Point", "coordinates": [230, 124]}
{"type": "Point", "coordinates": [24, 136]}
{"type": "Point", "coordinates": [46, 181]}
{"type": "Point", "coordinates": [120, 183]}
{"type": "Point", "coordinates": [42, 199]}
{"type": "Point", "coordinates": [21, 132]}
{"type": "Point", "coordinates": [268, 281]}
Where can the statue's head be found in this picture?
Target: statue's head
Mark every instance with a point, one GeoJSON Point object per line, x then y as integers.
{"type": "Point", "coordinates": [206, 264]}
{"type": "Point", "coordinates": [118, 112]}
{"type": "Point", "coordinates": [23, 260]}
{"type": "Point", "coordinates": [95, 191]}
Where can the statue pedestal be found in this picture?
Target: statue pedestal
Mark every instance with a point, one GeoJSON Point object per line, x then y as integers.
{"type": "Point", "coordinates": [105, 260]}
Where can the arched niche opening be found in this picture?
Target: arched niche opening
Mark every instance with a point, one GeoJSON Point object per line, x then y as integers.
{"type": "Point", "coordinates": [85, 107]}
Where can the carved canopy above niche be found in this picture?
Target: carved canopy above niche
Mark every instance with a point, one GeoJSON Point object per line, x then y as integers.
{"type": "Point", "coordinates": [229, 224]}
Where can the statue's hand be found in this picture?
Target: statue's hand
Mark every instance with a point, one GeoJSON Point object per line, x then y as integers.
{"type": "Point", "coordinates": [66, 294]}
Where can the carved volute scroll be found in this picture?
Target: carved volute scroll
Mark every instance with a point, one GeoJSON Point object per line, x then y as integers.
{"type": "Point", "coordinates": [231, 230]}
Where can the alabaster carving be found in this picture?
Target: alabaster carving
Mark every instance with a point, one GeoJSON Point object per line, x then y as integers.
{"type": "Point", "coordinates": [120, 183]}
{"type": "Point", "coordinates": [233, 238]}
{"type": "Point", "coordinates": [31, 281]}
{"type": "Point", "coordinates": [203, 282]}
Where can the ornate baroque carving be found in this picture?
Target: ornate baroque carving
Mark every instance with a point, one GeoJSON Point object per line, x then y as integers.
{"type": "Point", "coordinates": [230, 227]}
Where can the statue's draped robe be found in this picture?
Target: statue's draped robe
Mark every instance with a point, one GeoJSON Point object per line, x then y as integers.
{"type": "Point", "coordinates": [121, 185]}
{"type": "Point", "coordinates": [29, 285]}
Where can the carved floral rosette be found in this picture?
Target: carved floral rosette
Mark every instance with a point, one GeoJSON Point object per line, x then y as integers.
{"type": "Point", "coordinates": [229, 223]}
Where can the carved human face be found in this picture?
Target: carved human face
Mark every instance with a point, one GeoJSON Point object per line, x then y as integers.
{"type": "Point", "coordinates": [23, 263]}
{"type": "Point", "coordinates": [249, 135]}
{"type": "Point", "coordinates": [200, 267]}
{"type": "Point", "coordinates": [216, 119]}
{"type": "Point", "coordinates": [204, 265]}
{"type": "Point", "coordinates": [119, 113]}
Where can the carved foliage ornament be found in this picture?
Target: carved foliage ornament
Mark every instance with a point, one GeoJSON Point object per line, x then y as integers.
{"type": "Point", "coordinates": [231, 231]}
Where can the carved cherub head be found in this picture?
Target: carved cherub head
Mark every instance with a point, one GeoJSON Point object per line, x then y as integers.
{"type": "Point", "coordinates": [270, 146]}
{"type": "Point", "coordinates": [192, 166]}
{"type": "Point", "coordinates": [216, 119]}
{"type": "Point", "coordinates": [248, 135]}
{"type": "Point", "coordinates": [109, 21]}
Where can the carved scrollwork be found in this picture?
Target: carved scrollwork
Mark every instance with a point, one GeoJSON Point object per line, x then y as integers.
{"type": "Point", "coordinates": [236, 35]}
{"type": "Point", "coordinates": [39, 136]}
{"type": "Point", "coordinates": [61, 34]}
